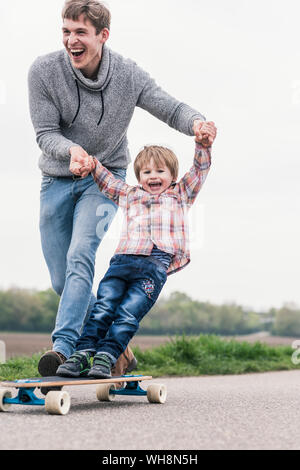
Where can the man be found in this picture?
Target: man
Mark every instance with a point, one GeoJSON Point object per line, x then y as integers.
{"type": "Point", "coordinates": [82, 99]}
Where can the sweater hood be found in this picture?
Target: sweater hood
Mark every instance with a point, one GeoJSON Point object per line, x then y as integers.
{"type": "Point", "coordinates": [104, 74]}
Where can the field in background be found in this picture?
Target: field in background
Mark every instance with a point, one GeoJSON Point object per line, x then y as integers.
{"type": "Point", "coordinates": [26, 344]}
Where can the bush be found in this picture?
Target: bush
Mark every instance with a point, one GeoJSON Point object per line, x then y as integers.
{"type": "Point", "coordinates": [287, 321]}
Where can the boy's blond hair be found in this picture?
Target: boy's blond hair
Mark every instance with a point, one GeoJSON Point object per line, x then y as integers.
{"type": "Point", "coordinates": [93, 10]}
{"type": "Point", "coordinates": [160, 155]}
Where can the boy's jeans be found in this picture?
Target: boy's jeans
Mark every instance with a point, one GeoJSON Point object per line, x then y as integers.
{"type": "Point", "coordinates": [74, 217]}
{"type": "Point", "coordinates": [128, 290]}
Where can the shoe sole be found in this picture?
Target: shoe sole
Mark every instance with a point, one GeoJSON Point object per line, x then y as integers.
{"type": "Point", "coordinates": [99, 375]}
{"type": "Point", "coordinates": [131, 366]}
{"type": "Point", "coordinates": [48, 365]}
{"type": "Point", "coordinates": [68, 373]}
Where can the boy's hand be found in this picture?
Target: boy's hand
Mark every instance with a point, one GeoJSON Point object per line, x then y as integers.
{"type": "Point", "coordinates": [205, 132]}
{"type": "Point", "coordinates": [81, 163]}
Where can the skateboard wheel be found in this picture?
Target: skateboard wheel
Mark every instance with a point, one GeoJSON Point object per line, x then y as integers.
{"type": "Point", "coordinates": [157, 393]}
{"type": "Point", "coordinates": [103, 392]}
{"type": "Point", "coordinates": [4, 393]}
{"type": "Point", "coordinates": [57, 403]}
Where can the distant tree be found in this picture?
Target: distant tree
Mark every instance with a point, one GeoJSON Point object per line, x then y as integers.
{"type": "Point", "coordinates": [27, 310]}
{"type": "Point", "coordinates": [180, 314]}
{"type": "Point", "coordinates": [287, 321]}
{"type": "Point", "coordinates": [32, 310]}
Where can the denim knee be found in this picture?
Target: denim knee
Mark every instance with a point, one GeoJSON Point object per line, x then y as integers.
{"type": "Point", "coordinates": [80, 261]}
{"type": "Point", "coordinates": [58, 278]}
{"type": "Point", "coordinates": [127, 318]}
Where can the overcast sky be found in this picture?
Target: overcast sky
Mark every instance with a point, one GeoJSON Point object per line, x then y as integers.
{"type": "Point", "coordinates": [238, 63]}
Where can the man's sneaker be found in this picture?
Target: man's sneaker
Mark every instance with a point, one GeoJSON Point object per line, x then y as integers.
{"type": "Point", "coordinates": [49, 362]}
{"type": "Point", "coordinates": [125, 364]}
{"type": "Point", "coordinates": [78, 365]}
{"type": "Point", "coordinates": [47, 367]}
{"type": "Point", "coordinates": [101, 368]}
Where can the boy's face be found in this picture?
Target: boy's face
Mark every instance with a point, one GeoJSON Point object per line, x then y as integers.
{"type": "Point", "coordinates": [83, 45]}
{"type": "Point", "coordinates": [155, 180]}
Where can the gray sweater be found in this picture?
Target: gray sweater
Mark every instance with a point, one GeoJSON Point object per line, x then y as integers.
{"type": "Point", "coordinates": [68, 109]}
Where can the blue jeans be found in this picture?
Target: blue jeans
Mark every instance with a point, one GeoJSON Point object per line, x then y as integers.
{"type": "Point", "coordinates": [127, 292]}
{"type": "Point", "coordinates": [74, 217]}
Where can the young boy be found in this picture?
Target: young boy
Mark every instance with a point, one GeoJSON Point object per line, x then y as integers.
{"type": "Point", "coordinates": [153, 245]}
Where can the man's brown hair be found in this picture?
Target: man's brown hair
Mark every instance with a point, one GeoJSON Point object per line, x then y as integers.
{"type": "Point", "coordinates": [95, 11]}
{"type": "Point", "coordinates": [160, 155]}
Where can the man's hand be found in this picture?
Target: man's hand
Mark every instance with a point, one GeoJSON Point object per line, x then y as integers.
{"type": "Point", "coordinates": [81, 163]}
{"type": "Point", "coordinates": [205, 132]}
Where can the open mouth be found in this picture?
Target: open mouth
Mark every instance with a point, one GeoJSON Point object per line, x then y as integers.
{"type": "Point", "coordinates": [155, 185]}
{"type": "Point", "coordinates": [77, 52]}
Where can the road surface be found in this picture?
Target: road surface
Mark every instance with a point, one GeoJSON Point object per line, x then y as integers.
{"type": "Point", "coordinates": [254, 411]}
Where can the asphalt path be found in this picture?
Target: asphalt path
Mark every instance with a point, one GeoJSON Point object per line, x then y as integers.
{"type": "Point", "coordinates": [254, 411]}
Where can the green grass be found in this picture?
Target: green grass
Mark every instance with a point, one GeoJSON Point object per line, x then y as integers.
{"type": "Point", "coordinates": [211, 355]}
{"type": "Point", "coordinates": [20, 368]}
{"type": "Point", "coordinates": [186, 356]}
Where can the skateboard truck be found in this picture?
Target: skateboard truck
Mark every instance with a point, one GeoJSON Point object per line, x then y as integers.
{"type": "Point", "coordinates": [132, 388]}
{"type": "Point", "coordinates": [26, 396]}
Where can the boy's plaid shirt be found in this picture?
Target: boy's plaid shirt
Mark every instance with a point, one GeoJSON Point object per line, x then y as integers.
{"type": "Point", "coordinates": [156, 219]}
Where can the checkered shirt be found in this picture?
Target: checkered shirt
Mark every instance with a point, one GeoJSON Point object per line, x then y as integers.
{"type": "Point", "coordinates": [156, 219]}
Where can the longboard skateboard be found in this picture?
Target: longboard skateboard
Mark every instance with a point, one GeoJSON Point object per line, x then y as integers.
{"type": "Point", "coordinates": [58, 401]}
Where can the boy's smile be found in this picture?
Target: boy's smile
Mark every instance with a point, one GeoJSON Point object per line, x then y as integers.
{"type": "Point", "coordinates": [155, 180]}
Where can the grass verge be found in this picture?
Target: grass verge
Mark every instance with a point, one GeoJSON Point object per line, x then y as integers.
{"type": "Point", "coordinates": [211, 355]}
{"type": "Point", "coordinates": [186, 356]}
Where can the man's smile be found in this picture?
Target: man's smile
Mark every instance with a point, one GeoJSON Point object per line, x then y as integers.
{"type": "Point", "coordinates": [77, 52]}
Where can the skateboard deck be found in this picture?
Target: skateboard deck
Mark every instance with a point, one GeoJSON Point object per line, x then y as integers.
{"type": "Point", "coordinates": [58, 401]}
{"type": "Point", "coordinates": [56, 381]}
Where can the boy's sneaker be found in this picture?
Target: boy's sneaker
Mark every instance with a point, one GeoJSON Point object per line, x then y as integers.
{"type": "Point", "coordinates": [78, 365]}
{"type": "Point", "coordinates": [102, 365]}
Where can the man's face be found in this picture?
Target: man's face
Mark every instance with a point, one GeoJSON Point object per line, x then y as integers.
{"type": "Point", "coordinates": [83, 45]}
{"type": "Point", "coordinates": [155, 180]}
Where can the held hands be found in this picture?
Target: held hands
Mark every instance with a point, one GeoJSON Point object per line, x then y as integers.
{"type": "Point", "coordinates": [81, 163]}
{"type": "Point", "coordinates": [205, 132]}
